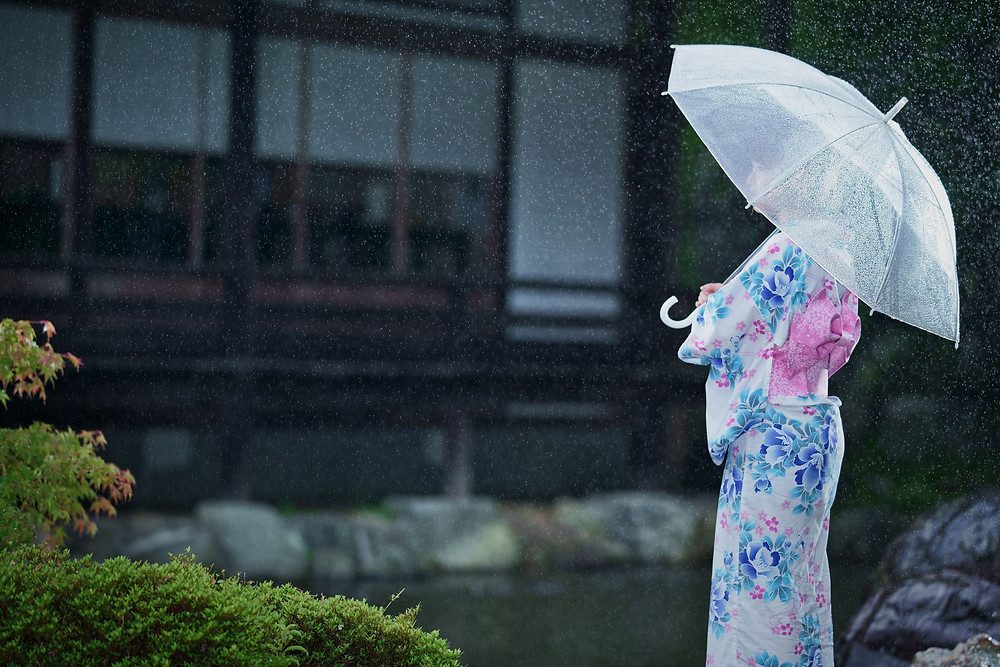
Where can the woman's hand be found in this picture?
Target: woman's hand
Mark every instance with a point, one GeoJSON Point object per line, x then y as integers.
{"type": "Point", "coordinates": [707, 290]}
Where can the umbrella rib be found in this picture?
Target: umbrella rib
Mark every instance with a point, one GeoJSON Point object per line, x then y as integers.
{"type": "Point", "coordinates": [899, 225]}
{"type": "Point", "coordinates": [780, 180]}
{"type": "Point", "coordinates": [930, 187]}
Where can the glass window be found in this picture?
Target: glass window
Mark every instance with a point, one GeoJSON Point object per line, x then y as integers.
{"type": "Point", "coordinates": [31, 183]}
{"type": "Point", "coordinates": [275, 190]}
{"type": "Point", "coordinates": [354, 101]}
{"type": "Point", "coordinates": [448, 211]}
{"type": "Point", "coordinates": [351, 213]}
{"type": "Point", "coordinates": [277, 121]}
{"type": "Point", "coordinates": [141, 204]}
{"type": "Point", "coordinates": [160, 85]}
{"type": "Point", "coordinates": [454, 114]}
{"type": "Point", "coordinates": [351, 136]}
{"type": "Point", "coordinates": [567, 194]}
{"type": "Point", "coordinates": [35, 72]}
{"type": "Point", "coordinates": [349, 217]}
{"type": "Point", "coordinates": [161, 107]}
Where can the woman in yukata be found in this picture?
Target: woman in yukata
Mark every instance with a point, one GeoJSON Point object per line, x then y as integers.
{"type": "Point", "coordinates": [771, 337]}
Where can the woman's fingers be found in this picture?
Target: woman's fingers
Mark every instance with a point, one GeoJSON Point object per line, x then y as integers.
{"type": "Point", "coordinates": [707, 290]}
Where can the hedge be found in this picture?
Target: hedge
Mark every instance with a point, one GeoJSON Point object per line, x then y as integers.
{"type": "Point", "coordinates": [55, 610]}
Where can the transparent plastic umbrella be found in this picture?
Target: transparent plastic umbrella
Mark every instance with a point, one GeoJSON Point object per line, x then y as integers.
{"type": "Point", "coordinates": [830, 170]}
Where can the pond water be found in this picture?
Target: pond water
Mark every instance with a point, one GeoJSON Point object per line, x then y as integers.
{"type": "Point", "coordinates": [632, 616]}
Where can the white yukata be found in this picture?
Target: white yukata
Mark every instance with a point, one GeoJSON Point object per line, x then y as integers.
{"type": "Point", "coordinates": [771, 337]}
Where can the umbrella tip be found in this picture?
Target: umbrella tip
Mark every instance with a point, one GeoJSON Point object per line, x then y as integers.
{"type": "Point", "coordinates": [895, 110]}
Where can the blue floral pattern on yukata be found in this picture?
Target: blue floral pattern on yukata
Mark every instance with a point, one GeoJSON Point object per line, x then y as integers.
{"type": "Point", "coordinates": [782, 457]}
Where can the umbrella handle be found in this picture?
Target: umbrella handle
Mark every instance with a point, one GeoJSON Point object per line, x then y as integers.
{"type": "Point", "coordinates": [672, 323]}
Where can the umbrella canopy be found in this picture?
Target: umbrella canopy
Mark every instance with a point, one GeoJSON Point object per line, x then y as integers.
{"type": "Point", "coordinates": [833, 172]}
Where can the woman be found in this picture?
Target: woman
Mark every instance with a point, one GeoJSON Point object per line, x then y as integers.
{"type": "Point", "coordinates": [771, 337]}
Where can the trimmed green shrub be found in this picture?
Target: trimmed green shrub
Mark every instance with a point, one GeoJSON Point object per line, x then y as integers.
{"type": "Point", "coordinates": [58, 611]}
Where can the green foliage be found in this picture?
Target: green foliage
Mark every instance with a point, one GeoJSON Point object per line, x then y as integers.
{"type": "Point", "coordinates": [25, 365]}
{"type": "Point", "coordinates": [894, 50]}
{"type": "Point", "coordinates": [700, 22]}
{"type": "Point", "coordinates": [48, 478]}
{"type": "Point", "coordinates": [62, 611]}
{"type": "Point", "coordinates": [908, 487]}
{"type": "Point", "coordinates": [58, 611]}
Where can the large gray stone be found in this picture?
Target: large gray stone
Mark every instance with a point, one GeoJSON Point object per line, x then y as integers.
{"type": "Point", "coordinates": [940, 583]}
{"type": "Point", "coordinates": [330, 537]}
{"type": "Point", "coordinates": [383, 547]}
{"type": "Point", "coordinates": [252, 538]}
{"type": "Point", "coordinates": [589, 516]}
{"type": "Point", "coordinates": [457, 534]}
{"type": "Point", "coordinates": [928, 610]}
{"type": "Point", "coordinates": [546, 542]}
{"type": "Point", "coordinates": [158, 546]}
{"type": "Point", "coordinates": [416, 536]}
{"type": "Point", "coordinates": [963, 534]}
{"type": "Point", "coordinates": [143, 535]}
{"type": "Point", "coordinates": [651, 527]}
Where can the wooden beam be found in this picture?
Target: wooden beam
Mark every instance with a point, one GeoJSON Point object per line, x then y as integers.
{"type": "Point", "coordinates": [81, 120]}
{"type": "Point", "coordinates": [239, 248]}
{"type": "Point", "coordinates": [776, 31]}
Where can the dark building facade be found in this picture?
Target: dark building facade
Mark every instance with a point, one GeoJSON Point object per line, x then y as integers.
{"type": "Point", "coordinates": [324, 251]}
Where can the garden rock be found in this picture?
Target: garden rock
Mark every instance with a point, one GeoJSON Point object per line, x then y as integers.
{"type": "Point", "coordinates": [145, 536]}
{"type": "Point", "coordinates": [940, 584]}
{"type": "Point", "coordinates": [415, 536]}
{"type": "Point", "coordinates": [383, 548]}
{"type": "Point", "coordinates": [928, 610]}
{"type": "Point", "coordinates": [158, 546]}
{"type": "Point", "coordinates": [980, 651]}
{"type": "Point", "coordinates": [546, 542]}
{"type": "Point", "coordinates": [252, 538]}
{"type": "Point", "coordinates": [652, 528]}
{"type": "Point", "coordinates": [964, 534]}
{"type": "Point", "coordinates": [330, 538]}
{"type": "Point", "coordinates": [457, 534]}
